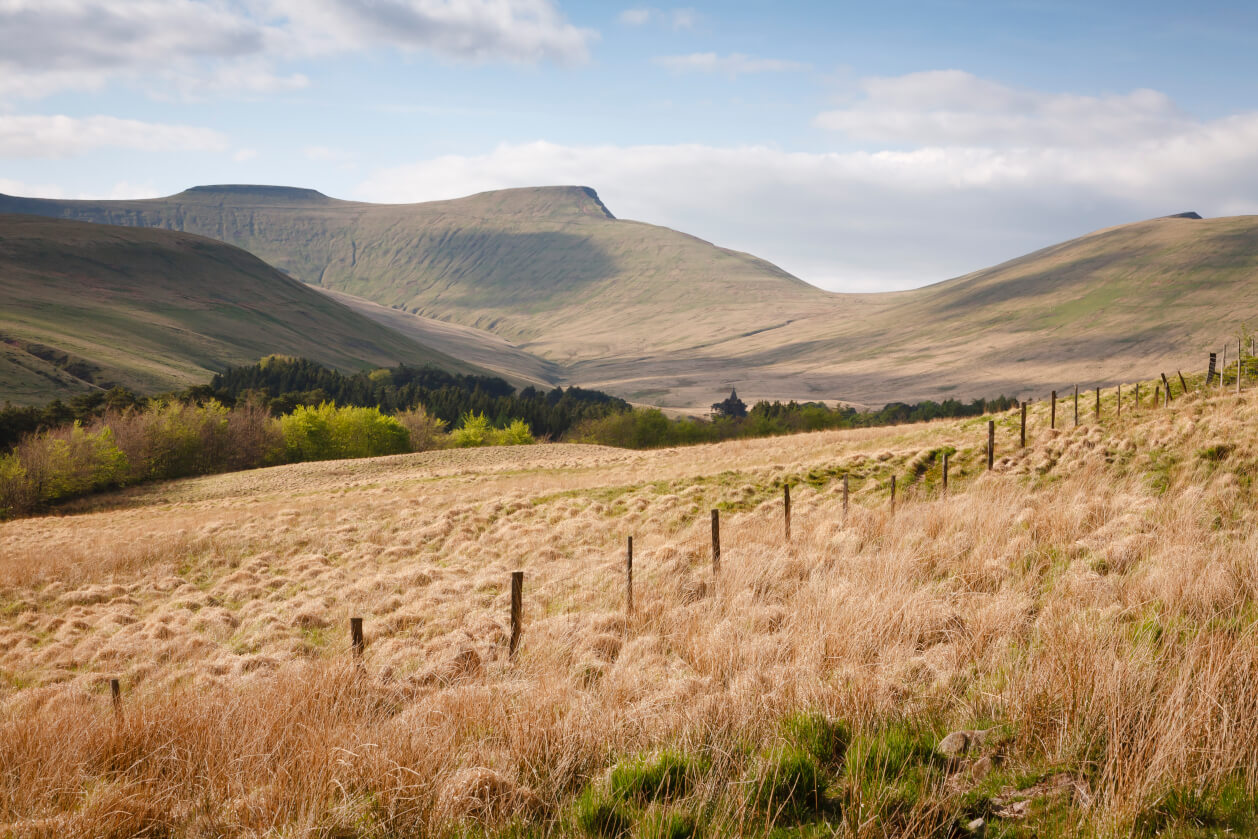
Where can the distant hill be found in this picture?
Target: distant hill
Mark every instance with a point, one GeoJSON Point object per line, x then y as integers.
{"type": "Point", "coordinates": [547, 268]}
{"type": "Point", "coordinates": [86, 306]}
{"type": "Point", "coordinates": [574, 295]}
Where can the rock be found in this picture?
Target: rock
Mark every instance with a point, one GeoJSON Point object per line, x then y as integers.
{"type": "Point", "coordinates": [982, 768]}
{"type": "Point", "coordinates": [977, 828]}
{"type": "Point", "coordinates": [955, 744]}
{"type": "Point", "coordinates": [961, 742]}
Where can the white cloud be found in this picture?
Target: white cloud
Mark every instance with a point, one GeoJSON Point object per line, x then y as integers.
{"type": "Point", "coordinates": [245, 155]}
{"type": "Point", "coordinates": [872, 220]}
{"type": "Point", "coordinates": [952, 107]}
{"type": "Point", "coordinates": [200, 47]}
{"type": "Point", "coordinates": [734, 64]}
{"type": "Point", "coordinates": [121, 190]}
{"type": "Point", "coordinates": [679, 18]}
{"type": "Point", "coordinates": [57, 136]}
{"type": "Point", "coordinates": [475, 30]}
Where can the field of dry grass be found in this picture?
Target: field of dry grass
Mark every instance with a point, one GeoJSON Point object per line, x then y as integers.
{"type": "Point", "coordinates": [1090, 604]}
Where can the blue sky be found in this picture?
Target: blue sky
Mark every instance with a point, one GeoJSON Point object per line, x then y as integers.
{"type": "Point", "coordinates": [861, 146]}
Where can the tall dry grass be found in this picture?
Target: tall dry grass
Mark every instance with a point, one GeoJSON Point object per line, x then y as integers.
{"type": "Point", "coordinates": [1095, 595]}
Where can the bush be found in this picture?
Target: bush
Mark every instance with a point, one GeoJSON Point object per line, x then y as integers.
{"type": "Point", "coordinates": [329, 433]}
{"type": "Point", "coordinates": [474, 430]}
{"type": "Point", "coordinates": [56, 465]}
{"type": "Point", "coordinates": [515, 434]}
{"type": "Point", "coordinates": [427, 432]}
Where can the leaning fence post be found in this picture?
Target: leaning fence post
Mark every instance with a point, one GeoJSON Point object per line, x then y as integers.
{"type": "Point", "coordinates": [945, 474]}
{"type": "Point", "coordinates": [991, 444]}
{"type": "Point", "coordinates": [1184, 385]}
{"type": "Point", "coordinates": [716, 541]}
{"type": "Point", "coordinates": [517, 606]}
{"type": "Point", "coordinates": [1024, 425]}
{"type": "Point", "coordinates": [1052, 417]}
{"type": "Point", "coordinates": [356, 641]}
{"type": "Point", "coordinates": [629, 578]}
{"type": "Point", "coordinates": [1166, 384]}
{"type": "Point", "coordinates": [786, 498]}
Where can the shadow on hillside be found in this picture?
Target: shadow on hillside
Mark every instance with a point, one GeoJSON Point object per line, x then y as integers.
{"type": "Point", "coordinates": [520, 271]}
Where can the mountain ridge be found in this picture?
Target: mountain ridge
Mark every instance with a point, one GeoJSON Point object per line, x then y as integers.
{"type": "Point", "coordinates": [85, 306]}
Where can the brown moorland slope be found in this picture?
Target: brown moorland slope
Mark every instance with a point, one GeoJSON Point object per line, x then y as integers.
{"type": "Point", "coordinates": [660, 317]}
{"type": "Point", "coordinates": [1090, 602]}
{"type": "Point", "coordinates": [86, 306]}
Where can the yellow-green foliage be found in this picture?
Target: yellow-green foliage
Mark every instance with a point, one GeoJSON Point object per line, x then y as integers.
{"type": "Point", "coordinates": [329, 433]}
{"type": "Point", "coordinates": [60, 464]}
{"type": "Point", "coordinates": [476, 430]}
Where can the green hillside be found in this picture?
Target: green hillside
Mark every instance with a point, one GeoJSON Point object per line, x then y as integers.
{"type": "Point", "coordinates": [573, 295]}
{"type": "Point", "coordinates": [86, 306]}
{"type": "Point", "coordinates": [546, 268]}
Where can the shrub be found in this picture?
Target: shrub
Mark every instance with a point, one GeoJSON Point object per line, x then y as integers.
{"type": "Point", "coordinates": [427, 432]}
{"type": "Point", "coordinates": [517, 433]}
{"type": "Point", "coordinates": [56, 465]}
{"type": "Point", "coordinates": [328, 433]}
{"type": "Point", "coordinates": [473, 430]}
{"type": "Point", "coordinates": [666, 824]}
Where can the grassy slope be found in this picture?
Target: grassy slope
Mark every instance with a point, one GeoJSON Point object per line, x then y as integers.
{"type": "Point", "coordinates": [658, 316]}
{"type": "Point", "coordinates": [152, 310]}
{"type": "Point", "coordinates": [1094, 596]}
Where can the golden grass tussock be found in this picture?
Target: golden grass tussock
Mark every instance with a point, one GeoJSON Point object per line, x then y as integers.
{"type": "Point", "coordinates": [1094, 596]}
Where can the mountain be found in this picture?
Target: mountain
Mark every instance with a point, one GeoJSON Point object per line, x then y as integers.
{"type": "Point", "coordinates": [573, 295]}
{"type": "Point", "coordinates": [549, 269]}
{"type": "Point", "coordinates": [86, 306]}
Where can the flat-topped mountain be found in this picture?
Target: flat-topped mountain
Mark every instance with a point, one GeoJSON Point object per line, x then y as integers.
{"type": "Point", "coordinates": [574, 295]}
{"type": "Point", "coordinates": [547, 268]}
{"type": "Point", "coordinates": [85, 306]}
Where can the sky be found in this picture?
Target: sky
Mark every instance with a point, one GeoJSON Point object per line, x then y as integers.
{"type": "Point", "coordinates": [860, 146]}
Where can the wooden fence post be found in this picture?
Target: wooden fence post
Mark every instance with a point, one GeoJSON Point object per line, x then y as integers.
{"type": "Point", "coordinates": [517, 606]}
{"type": "Point", "coordinates": [893, 493]}
{"type": "Point", "coordinates": [356, 641]}
{"type": "Point", "coordinates": [1214, 357]}
{"type": "Point", "coordinates": [1076, 404]}
{"type": "Point", "coordinates": [1098, 406]}
{"type": "Point", "coordinates": [1118, 403]}
{"type": "Point", "coordinates": [1222, 366]}
{"type": "Point", "coordinates": [1137, 396]}
{"type": "Point", "coordinates": [945, 474]}
{"type": "Point", "coordinates": [1024, 425]}
{"type": "Point", "coordinates": [786, 498]}
{"type": "Point", "coordinates": [845, 495]}
{"type": "Point", "coordinates": [1157, 394]}
{"type": "Point", "coordinates": [629, 578]}
{"type": "Point", "coordinates": [115, 693]}
{"type": "Point", "coordinates": [716, 541]}
{"type": "Point", "coordinates": [1184, 385]}
{"type": "Point", "coordinates": [1052, 417]}
{"type": "Point", "coordinates": [1167, 385]}
{"type": "Point", "coordinates": [991, 444]}
{"type": "Point", "coordinates": [1239, 355]}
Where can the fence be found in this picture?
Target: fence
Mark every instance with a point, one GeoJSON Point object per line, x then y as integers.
{"type": "Point", "coordinates": [1215, 378]}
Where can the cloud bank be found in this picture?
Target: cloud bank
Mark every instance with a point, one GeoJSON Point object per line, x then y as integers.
{"type": "Point", "coordinates": [1004, 173]}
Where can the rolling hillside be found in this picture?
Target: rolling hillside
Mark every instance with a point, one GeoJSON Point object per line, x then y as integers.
{"type": "Point", "coordinates": [84, 306]}
{"type": "Point", "coordinates": [573, 295]}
